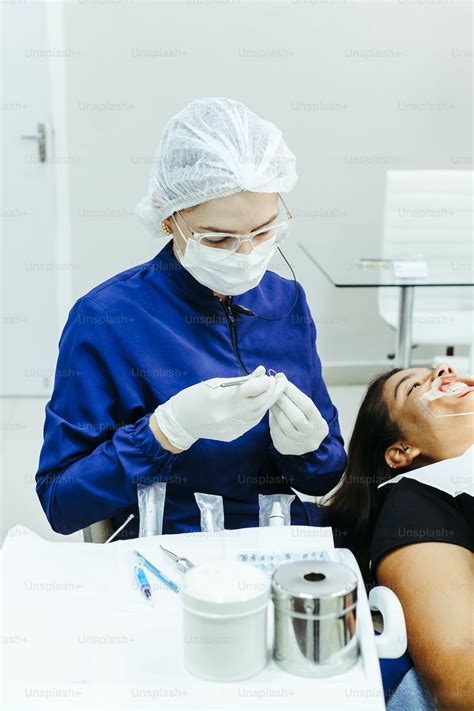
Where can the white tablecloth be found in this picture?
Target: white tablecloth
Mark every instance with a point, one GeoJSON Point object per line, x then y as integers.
{"type": "Point", "coordinates": [79, 636]}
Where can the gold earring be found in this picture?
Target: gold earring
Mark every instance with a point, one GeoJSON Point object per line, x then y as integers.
{"type": "Point", "coordinates": [165, 229]}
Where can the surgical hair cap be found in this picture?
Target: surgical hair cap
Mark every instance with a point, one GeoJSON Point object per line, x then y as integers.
{"type": "Point", "coordinates": [212, 148]}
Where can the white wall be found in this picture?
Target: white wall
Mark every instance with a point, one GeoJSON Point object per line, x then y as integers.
{"type": "Point", "coordinates": [348, 84]}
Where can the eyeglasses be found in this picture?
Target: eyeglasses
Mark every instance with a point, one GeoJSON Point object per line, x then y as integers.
{"type": "Point", "coordinates": [228, 243]}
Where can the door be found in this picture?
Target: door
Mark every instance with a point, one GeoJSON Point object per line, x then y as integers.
{"type": "Point", "coordinates": [29, 268]}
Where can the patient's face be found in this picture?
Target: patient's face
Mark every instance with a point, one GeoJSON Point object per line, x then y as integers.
{"type": "Point", "coordinates": [437, 437]}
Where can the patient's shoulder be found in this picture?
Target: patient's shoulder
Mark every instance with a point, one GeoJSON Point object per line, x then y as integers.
{"type": "Point", "coordinates": [414, 512]}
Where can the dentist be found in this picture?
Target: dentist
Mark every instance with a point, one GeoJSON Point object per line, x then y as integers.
{"type": "Point", "coordinates": [146, 352]}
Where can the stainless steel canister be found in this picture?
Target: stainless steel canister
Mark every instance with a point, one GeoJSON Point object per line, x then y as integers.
{"type": "Point", "coordinates": [315, 618]}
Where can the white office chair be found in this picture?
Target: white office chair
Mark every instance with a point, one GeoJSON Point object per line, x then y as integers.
{"type": "Point", "coordinates": [430, 212]}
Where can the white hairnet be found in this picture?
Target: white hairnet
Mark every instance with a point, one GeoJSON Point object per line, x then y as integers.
{"type": "Point", "coordinates": [214, 147]}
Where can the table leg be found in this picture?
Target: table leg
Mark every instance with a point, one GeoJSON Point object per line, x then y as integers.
{"type": "Point", "coordinates": [404, 331]}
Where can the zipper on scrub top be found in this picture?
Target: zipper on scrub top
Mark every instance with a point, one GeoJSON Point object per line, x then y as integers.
{"type": "Point", "coordinates": [226, 305]}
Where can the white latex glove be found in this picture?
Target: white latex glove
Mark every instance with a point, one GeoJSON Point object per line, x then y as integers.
{"type": "Point", "coordinates": [206, 410]}
{"type": "Point", "coordinates": [296, 425]}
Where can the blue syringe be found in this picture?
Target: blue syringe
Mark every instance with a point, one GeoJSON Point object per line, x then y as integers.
{"type": "Point", "coordinates": [159, 574]}
{"type": "Point", "coordinates": [142, 581]}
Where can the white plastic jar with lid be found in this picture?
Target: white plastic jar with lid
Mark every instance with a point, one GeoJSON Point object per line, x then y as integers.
{"type": "Point", "coordinates": [224, 606]}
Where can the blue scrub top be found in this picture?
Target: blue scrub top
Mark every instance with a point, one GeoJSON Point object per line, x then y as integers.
{"type": "Point", "coordinates": [136, 340]}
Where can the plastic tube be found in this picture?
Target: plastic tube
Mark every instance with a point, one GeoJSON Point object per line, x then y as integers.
{"type": "Point", "coordinates": [211, 507]}
{"type": "Point", "coordinates": [274, 509]}
{"type": "Point", "coordinates": [151, 504]}
{"type": "Point", "coordinates": [276, 518]}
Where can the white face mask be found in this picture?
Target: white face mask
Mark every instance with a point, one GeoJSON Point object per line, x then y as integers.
{"type": "Point", "coordinates": [235, 274]}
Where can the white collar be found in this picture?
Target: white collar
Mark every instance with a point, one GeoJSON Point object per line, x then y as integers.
{"type": "Point", "coordinates": [454, 476]}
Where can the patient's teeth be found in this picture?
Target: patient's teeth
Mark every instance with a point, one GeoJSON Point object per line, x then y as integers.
{"type": "Point", "coordinates": [456, 387]}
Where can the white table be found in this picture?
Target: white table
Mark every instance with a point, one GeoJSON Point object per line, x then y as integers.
{"type": "Point", "coordinates": [79, 636]}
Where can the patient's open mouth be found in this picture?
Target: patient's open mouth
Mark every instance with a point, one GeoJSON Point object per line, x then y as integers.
{"type": "Point", "coordinates": [454, 387]}
{"type": "Point", "coordinates": [448, 387]}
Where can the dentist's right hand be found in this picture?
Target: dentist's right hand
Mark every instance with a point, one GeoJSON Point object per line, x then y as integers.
{"type": "Point", "coordinates": [207, 411]}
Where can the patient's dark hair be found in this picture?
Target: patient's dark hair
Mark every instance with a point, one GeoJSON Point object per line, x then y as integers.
{"type": "Point", "coordinates": [352, 508]}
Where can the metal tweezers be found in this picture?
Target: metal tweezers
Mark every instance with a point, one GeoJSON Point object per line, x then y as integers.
{"type": "Point", "coordinates": [183, 564]}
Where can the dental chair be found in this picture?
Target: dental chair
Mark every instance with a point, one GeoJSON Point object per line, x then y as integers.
{"type": "Point", "coordinates": [442, 315]}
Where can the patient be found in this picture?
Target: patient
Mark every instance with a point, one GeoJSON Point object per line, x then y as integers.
{"type": "Point", "coordinates": [412, 537]}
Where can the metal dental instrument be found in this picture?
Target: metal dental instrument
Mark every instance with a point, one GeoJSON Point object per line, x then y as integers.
{"type": "Point", "coordinates": [161, 576]}
{"type": "Point", "coordinates": [243, 379]}
{"type": "Point", "coordinates": [234, 382]}
{"type": "Point", "coordinates": [183, 564]}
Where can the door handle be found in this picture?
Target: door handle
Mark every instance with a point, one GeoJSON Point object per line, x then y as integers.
{"type": "Point", "coordinates": [41, 138]}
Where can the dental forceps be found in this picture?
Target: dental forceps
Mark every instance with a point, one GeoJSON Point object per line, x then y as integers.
{"type": "Point", "coordinates": [183, 564]}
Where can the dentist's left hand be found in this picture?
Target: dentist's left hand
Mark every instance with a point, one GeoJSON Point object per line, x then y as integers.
{"type": "Point", "coordinates": [296, 425]}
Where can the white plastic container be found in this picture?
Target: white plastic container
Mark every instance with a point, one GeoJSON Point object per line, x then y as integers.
{"type": "Point", "coordinates": [224, 606]}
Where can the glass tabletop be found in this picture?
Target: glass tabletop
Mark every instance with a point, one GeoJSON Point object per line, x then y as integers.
{"type": "Point", "coordinates": [346, 264]}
